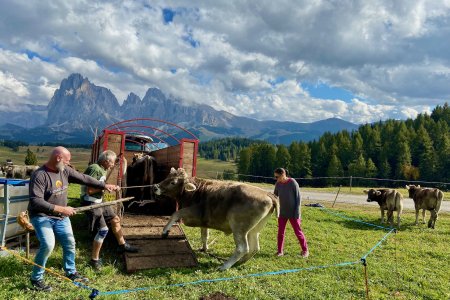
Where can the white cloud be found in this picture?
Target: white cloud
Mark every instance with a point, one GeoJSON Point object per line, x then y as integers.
{"type": "Point", "coordinates": [393, 56]}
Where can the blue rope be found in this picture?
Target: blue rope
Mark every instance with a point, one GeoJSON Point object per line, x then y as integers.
{"type": "Point", "coordinates": [363, 259]}
{"type": "Point", "coordinates": [228, 278]}
{"type": "Point", "coordinates": [352, 219]}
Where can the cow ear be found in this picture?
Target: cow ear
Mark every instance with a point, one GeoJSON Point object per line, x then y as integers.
{"type": "Point", "coordinates": [418, 186]}
{"type": "Point", "coordinates": [366, 191]}
{"type": "Point", "coordinates": [173, 171]}
{"type": "Point", "coordinates": [190, 187]}
{"type": "Point", "coordinates": [378, 193]}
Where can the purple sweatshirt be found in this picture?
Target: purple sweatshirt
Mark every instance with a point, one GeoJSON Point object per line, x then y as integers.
{"type": "Point", "coordinates": [289, 194]}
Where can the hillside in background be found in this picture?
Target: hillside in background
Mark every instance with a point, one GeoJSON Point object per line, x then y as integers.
{"type": "Point", "coordinates": [79, 107]}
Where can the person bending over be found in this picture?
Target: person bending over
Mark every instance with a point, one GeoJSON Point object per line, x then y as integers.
{"type": "Point", "coordinates": [100, 217]}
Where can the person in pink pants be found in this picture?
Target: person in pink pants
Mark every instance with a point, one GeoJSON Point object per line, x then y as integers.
{"type": "Point", "coordinates": [288, 192]}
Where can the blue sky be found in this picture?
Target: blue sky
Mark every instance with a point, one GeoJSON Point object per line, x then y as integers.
{"type": "Point", "coordinates": [361, 61]}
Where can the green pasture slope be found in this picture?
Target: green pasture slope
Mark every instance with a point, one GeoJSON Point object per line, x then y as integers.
{"type": "Point", "coordinates": [80, 157]}
{"type": "Point", "coordinates": [412, 264]}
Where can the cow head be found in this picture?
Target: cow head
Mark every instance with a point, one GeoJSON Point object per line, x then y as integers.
{"type": "Point", "coordinates": [373, 195]}
{"type": "Point", "coordinates": [412, 189]}
{"type": "Point", "coordinates": [174, 184]}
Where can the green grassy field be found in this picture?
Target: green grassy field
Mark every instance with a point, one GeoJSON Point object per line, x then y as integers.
{"type": "Point", "coordinates": [208, 168]}
{"type": "Point", "coordinates": [80, 156]}
{"type": "Point", "coordinates": [412, 264]}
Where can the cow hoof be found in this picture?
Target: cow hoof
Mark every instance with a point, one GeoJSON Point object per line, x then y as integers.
{"type": "Point", "coordinates": [223, 268]}
{"type": "Point", "coordinates": [165, 235]}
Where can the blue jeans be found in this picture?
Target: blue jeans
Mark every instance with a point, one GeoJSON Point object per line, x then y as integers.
{"type": "Point", "coordinates": [46, 230]}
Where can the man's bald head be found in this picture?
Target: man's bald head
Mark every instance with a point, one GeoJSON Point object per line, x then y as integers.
{"type": "Point", "coordinates": [59, 158]}
{"type": "Point", "coordinates": [60, 150]}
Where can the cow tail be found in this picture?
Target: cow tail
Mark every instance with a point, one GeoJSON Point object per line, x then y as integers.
{"type": "Point", "coordinates": [439, 198]}
{"type": "Point", "coordinates": [399, 202]}
{"type": "Point", "coordinates": [275, 203]}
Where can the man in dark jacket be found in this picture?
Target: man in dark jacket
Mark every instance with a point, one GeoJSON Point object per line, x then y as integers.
{"type": "Point", "coordinates": [49, 213]}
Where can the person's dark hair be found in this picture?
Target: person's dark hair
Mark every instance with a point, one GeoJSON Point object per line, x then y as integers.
{"type": "Point", "coordinates": [281, 171]}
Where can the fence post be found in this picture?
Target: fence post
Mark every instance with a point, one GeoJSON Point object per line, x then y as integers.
{"type": "Point", "coordinates": [337, 195]}
{"type": "Point", "coordinates": [364, 262]}
{"type": "Point", "coordinates": [351, 177]}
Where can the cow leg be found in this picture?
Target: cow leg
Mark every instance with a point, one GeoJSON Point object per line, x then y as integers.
{"type": "Point", "coordinates": [390, 217]}
{"type": "Point", "coordinates": [423, 216]}
{"type": "Point", "coordinates": [417, 216]}
{"type": "Point", "coordinates": [382, 215]}
{"type": "Point", "coordinates": [253, 238]}
{"type": "Point", "coordinates": [253, 247]}
{"type": "Point", "coordinates": [187, 214]}
{"type": "Point", "coordinates": [173, 219]}
{"type": "Point", "coordinates": [433, 218]}
{"type": "Point", "coordinates": [204, 233]}
{"type": "Point", "coordinates": [242, 249]}
{"type": "Point", "coordinates": [399, 212]}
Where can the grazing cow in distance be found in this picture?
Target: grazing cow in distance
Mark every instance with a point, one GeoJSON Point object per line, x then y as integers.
{"type": "Point", "coordinates": [426, 198]}
{"type": "Point", "coordinates": [231, 207]}
{"type": "Point", "coordinates": [19, 172]}
{"type": "Point", "coordinates": [388, 199]}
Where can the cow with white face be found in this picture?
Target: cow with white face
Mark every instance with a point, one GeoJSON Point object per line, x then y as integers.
{"type": "Point", "coordinates": [388, 199]}
{"type": "Point", "coordinates": [231, 207]}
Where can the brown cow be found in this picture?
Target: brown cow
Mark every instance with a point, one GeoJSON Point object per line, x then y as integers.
{"type": "Point", "coordinates": [231, 207]}
{"type": "Point", "coordinates": [426, 198]}
{"type": "Point", "coordinates": [20, 172]}
{"type": "Point", "coordinates": [388, 199]}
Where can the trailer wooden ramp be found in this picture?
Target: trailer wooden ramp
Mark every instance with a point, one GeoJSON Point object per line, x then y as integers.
{"type": "Point", "coordinates": [145, 232]}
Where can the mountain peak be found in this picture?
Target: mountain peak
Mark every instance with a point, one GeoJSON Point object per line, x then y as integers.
{"type": "Point", "coordinates": [74, 81]}
{"type": "Point", "coordinates": [132, 99]}
{"type": "Point", "coordinates": [154, 94]}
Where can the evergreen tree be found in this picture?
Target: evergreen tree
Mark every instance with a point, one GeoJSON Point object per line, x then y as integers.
{"type": "Point", "coordinates": [443, 163]}
{"type": "Point", "coordinates": [334, 169]}
{"type": "Point", "coordinates": [283, 158]}
{"type": "Point", "coordinates": [385, 169]}
{"type": "Point", "coordinates": [357, 145]}
{"type": "Point", "coordinates": [427, 163]}
{"type": "Point", "coordinates": [244, 162]}
{"type": "Point", "coordinates": [295, 164]}
{"type": "Point", "coordinates": [305, 161]}
{"type": "Point", "coordinates": [441, 113]}
{"type": "Point", "coordinates": [403, 160]}
{"type": "Point", "coordinates": [344, 147]}
{"type": "Point", "coordinates": [267, 154]}
{"type": "Point", "coordinates": [30, 158]}
{"type": "Point", "coordinates": [371, 169]}
{"type": "Point", "coordinates": [357, 167]}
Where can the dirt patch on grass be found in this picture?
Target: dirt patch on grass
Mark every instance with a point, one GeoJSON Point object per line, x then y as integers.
{"type": "Point", "coordinates": [216, 296]}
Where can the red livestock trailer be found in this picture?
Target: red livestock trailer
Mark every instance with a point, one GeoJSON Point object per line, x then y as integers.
{"type": "Point", "coordinates": [169, 145]}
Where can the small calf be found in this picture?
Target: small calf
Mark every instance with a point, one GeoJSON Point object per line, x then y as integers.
{"type": "Point", "coordinates": [388, 199]}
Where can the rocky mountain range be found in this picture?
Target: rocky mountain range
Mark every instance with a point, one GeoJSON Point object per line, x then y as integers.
{"type": "Point", "coordinates": [79, 106]}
